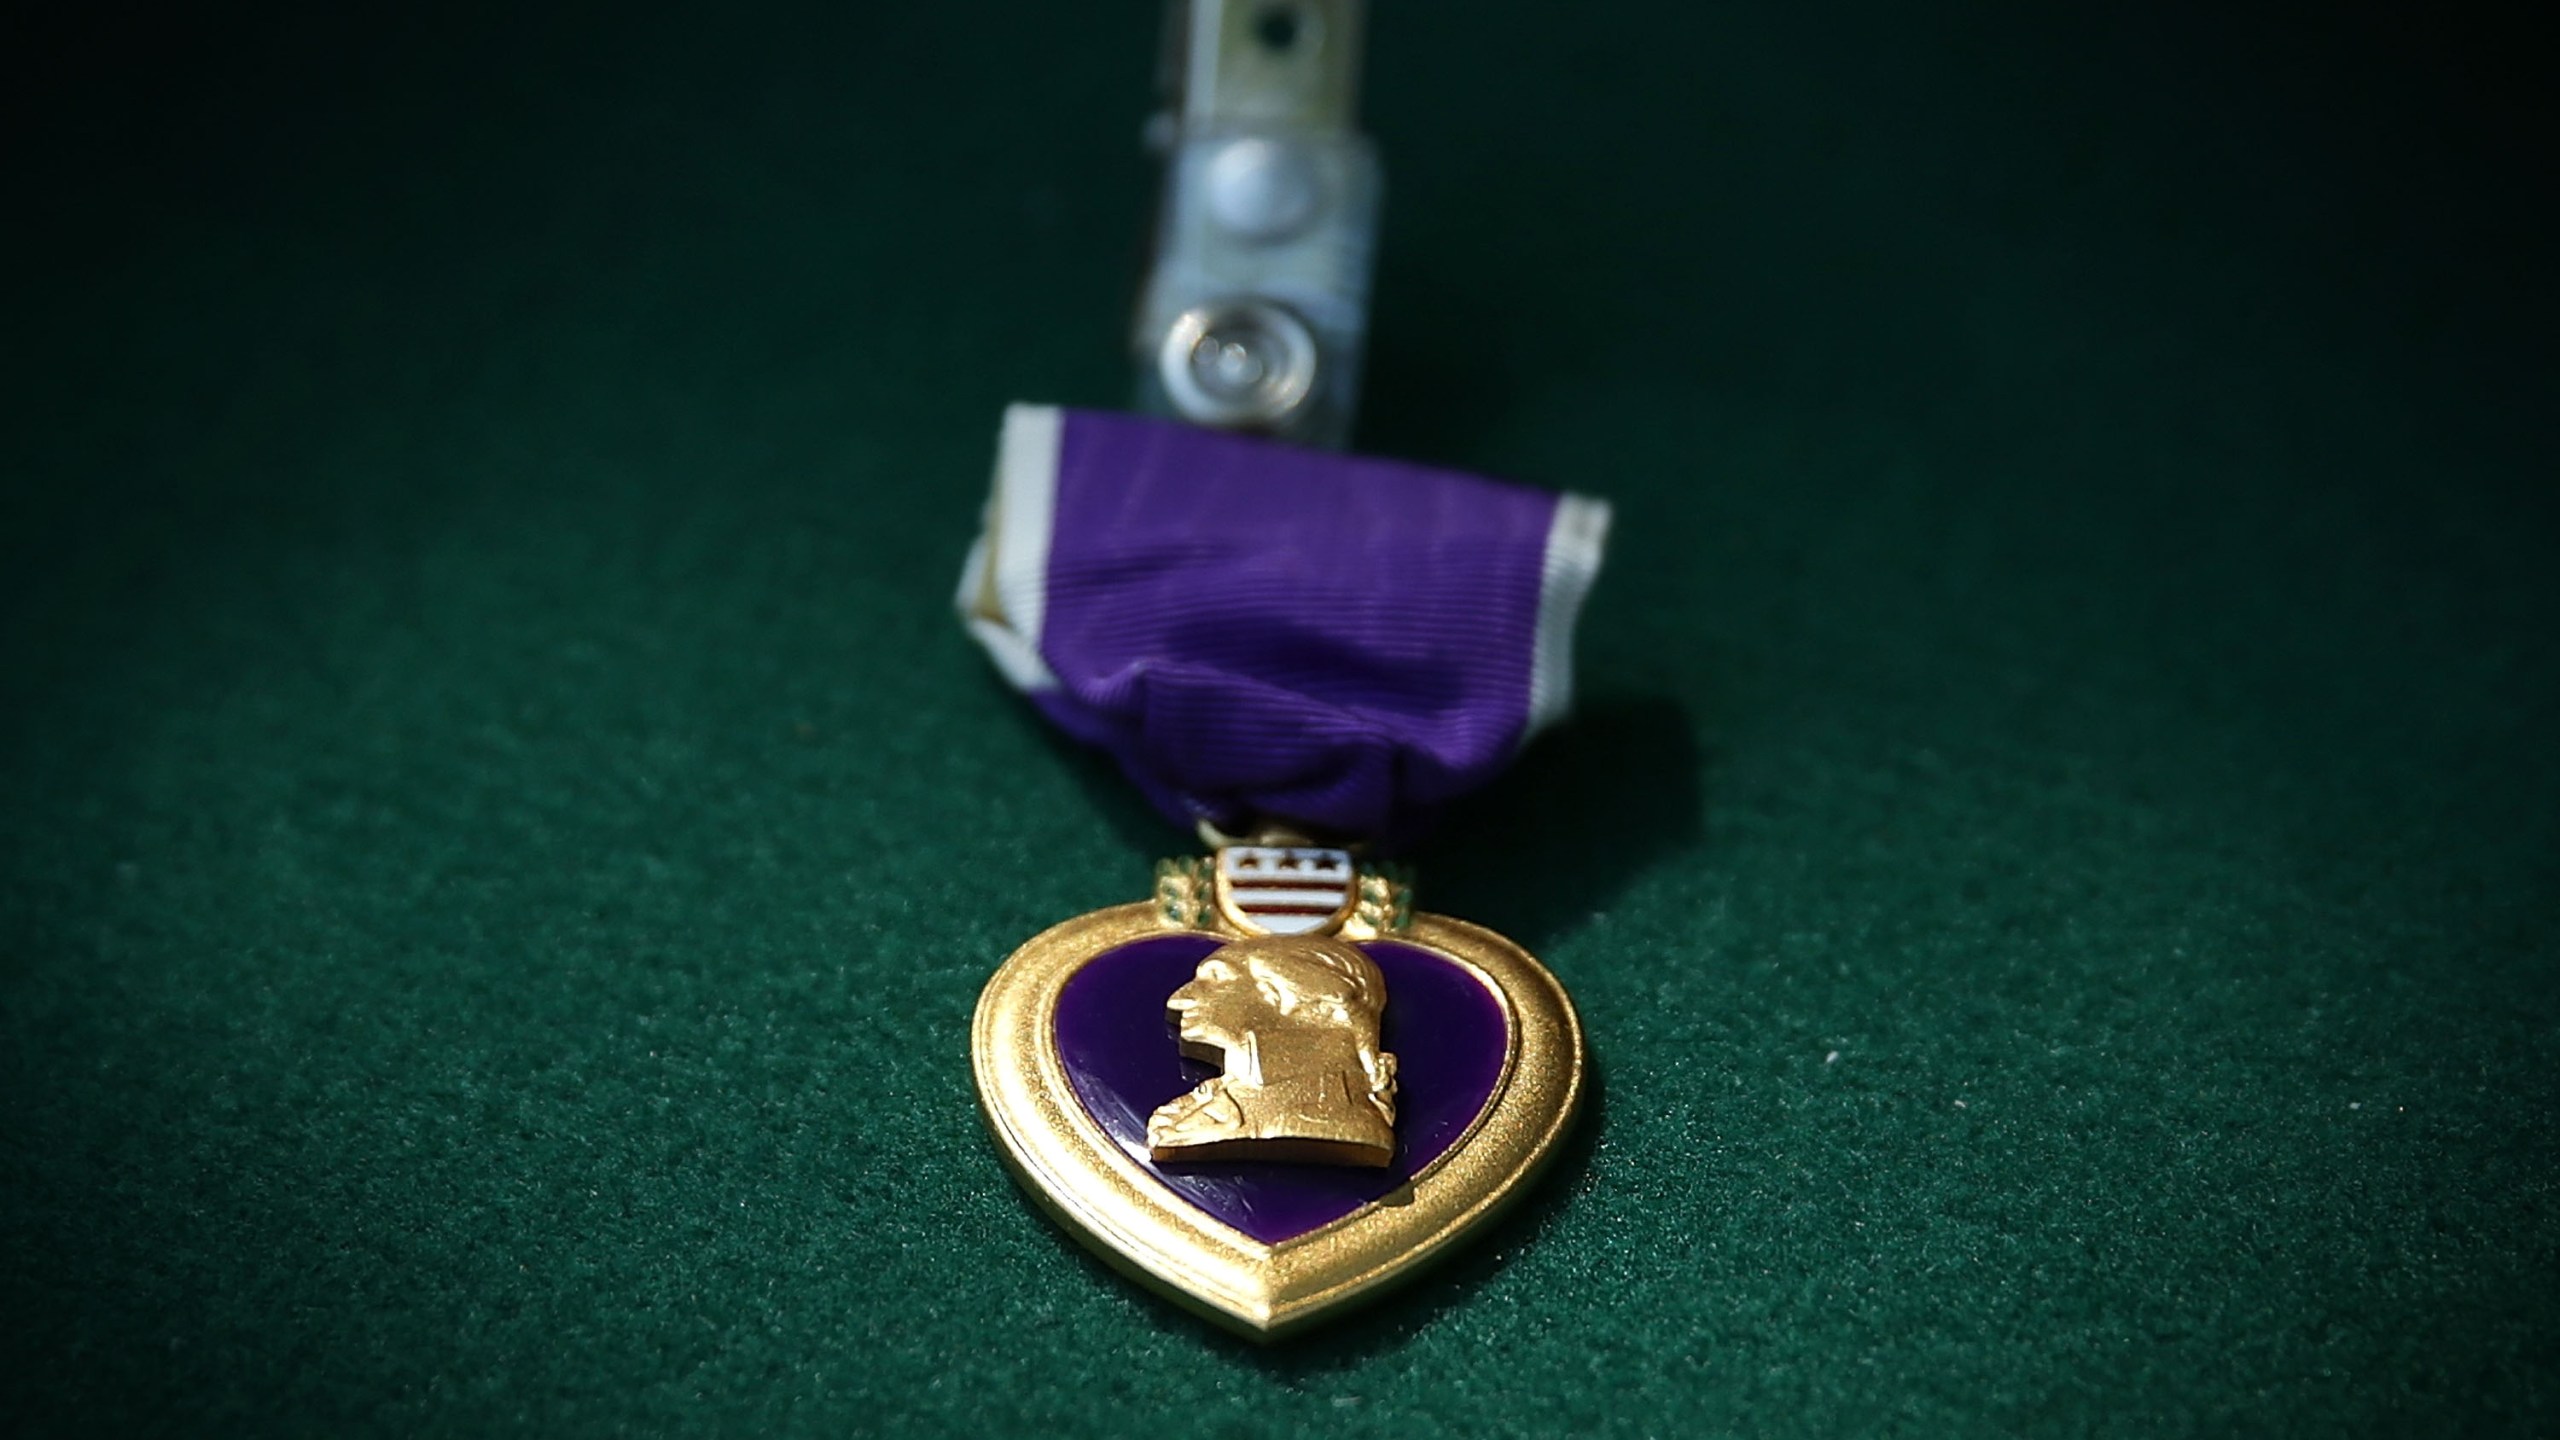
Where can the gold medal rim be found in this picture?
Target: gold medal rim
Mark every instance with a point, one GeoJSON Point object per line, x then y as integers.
{"type": "Point", "coordinates": [1102, 1196]}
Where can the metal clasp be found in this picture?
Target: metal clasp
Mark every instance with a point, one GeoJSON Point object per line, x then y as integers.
{"type": "Point", "coordinates": [1255, 313]}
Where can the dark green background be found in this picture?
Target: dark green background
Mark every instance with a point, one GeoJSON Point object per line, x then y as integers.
{"type": "Point", "coordinates": [500, 835]}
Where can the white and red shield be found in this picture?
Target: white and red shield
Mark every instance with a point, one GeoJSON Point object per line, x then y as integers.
{"type": "Point", "coordinates": [1285, 890]}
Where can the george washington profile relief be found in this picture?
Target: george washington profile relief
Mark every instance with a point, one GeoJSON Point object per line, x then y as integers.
{"type": "Point", "coordinates": [1293, 1022]}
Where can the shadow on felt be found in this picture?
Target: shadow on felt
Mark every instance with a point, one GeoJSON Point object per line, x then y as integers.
{"type": "Point", "coordinates": [1586, 810]}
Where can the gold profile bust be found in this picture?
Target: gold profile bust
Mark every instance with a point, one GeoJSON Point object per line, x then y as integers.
{"type": "Point", "coordinates": [1292, 1020]}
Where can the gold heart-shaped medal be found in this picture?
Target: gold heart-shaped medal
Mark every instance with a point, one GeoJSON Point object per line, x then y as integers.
{"type": "Point", "coordinates": [1273, 1091]}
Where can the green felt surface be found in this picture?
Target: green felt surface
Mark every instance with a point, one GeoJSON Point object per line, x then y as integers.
{"type": "Point", "coordinates": [500, 835]}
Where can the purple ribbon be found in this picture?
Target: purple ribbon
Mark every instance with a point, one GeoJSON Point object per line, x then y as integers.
{"type": "Point", "coordinates": [1262, 632]}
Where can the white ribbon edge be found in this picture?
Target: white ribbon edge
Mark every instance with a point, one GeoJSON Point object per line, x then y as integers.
{"type": "Point", "coordinates": [1010, 558]}
{"type": "Point", "coordinates": [1576, 541]}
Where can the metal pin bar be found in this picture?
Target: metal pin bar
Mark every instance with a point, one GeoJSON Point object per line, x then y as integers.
{"type": "Point", "coordinates": [1256, 311]}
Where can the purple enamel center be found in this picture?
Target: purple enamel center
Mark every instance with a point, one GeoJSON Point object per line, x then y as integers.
{"type": "Point", "coordinates": [1444, 1027]}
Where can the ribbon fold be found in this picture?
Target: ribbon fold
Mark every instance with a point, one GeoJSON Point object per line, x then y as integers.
{"type": "Point", "coordinates": [1261, 632]}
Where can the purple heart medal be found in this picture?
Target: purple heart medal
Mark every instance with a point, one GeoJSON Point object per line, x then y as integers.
{"type": "Point", "coordinates": [1274, 1088]}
